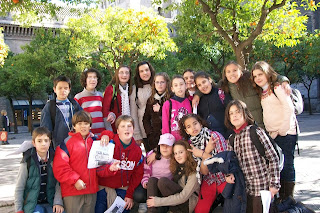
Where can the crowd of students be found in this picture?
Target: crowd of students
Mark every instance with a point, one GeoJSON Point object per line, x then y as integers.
{"type": "Point", "coordinates": [176, 174]}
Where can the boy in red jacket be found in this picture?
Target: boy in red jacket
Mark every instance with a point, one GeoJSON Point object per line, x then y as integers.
{"type": "Point", "coordinates": [124, 181]}
{"type": "Point", "coordinates": [79, 184]}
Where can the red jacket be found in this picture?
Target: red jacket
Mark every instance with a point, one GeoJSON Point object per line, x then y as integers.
{"type": "Point", "coordinates": [106, 105]}
{"type": "Point", "coordinates": [131, 172]}
{"type": "Point", "coordinates": [68, 170]}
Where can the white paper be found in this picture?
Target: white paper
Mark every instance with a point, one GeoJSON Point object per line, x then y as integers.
{"type": "Point", "coordinates": [266, 200]}
{"type": "Point", "coordinates": [117, 206]}
{"type": "Point", "coordinates": [195, 110]}
{"type": "Point", "coordinates": [100, 155]}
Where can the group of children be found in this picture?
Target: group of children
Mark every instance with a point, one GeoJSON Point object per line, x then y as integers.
{"type": "Point", "coordinates": [157, 113]}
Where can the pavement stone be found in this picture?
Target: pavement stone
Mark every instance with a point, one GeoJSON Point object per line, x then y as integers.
{"type": "Point", "coordinates": [307, 188]}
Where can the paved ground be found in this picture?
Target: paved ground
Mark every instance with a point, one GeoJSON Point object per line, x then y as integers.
{"type": "Point", "coordinates": [307, 165]}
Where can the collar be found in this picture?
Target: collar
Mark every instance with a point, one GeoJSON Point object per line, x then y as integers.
{"type": "Point", "coordinates": [237, 131]}
{"type": "Point", "coordinates": [62, 101]}
{"type": "Point", "coordinates": [90, 92]}
{"type": "Point", "coordinates": [40, 159]}
{"type": "Point", "coordinates": [179, 99]}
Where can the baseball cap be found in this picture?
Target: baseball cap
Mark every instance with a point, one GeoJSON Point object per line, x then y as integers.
{"type": "Point", "coordinates": [167, 139]}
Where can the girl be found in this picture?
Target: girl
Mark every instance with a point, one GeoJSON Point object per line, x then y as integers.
{"type": "Point", "coordinates": [157, 170]}
{"type": "Point", "coordinates": [236, 82]}
{"type": "Point", "coordinates": [116, 95]}
{"type": "Point", "coordinates": [90, 99]}
{"type": "Point", "coordinates": [259, 175]}
{"type": "Point", "coordinates": [205, 143]}
{"type": "Point", "coordinates": [181, 192]}
{"type": "Point", "coordinates": [279, 119]}
{"type": "Point", "coordinates": [212, 103]}
{"type": "Point", "coordinates": [188, 76]}
{"type": "Point", "coordinates": [176, 107]}
{"type": "Point", "coordinates": [153, 115]}
{"type": "Point", "coordinates": [139, 97]}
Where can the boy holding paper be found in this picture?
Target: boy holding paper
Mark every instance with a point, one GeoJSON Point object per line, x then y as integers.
{"type": "Point", "coordinates": [79, 184]}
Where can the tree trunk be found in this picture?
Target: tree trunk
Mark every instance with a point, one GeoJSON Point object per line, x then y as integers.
{"type": "Point", "coordinates": [309, 101]}
{"type": "Point", "coordinates": [15, 127]}
{"type": "Point", "coordinates": [242, 57]}
{"type": "Point", "coordinates": [30, 123]}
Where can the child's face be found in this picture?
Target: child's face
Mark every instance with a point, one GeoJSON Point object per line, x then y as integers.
{"type": "Point", "coordinates": [62, 90]}
{"type": "Point", "coordinates": [165, 150]}
{"type": "Point", "coordinates": [180, 154]}
{"type": "Point", "coordinates": [193, 126]}
{"type": "Point", "coordinates": [189, 79]}
{"type": "Point", "coordinates": [125, 131]}
{"type": "Point", "coordinates": [144, 72]}
{"type": "Point", "coordinates": [42, 144]}
{"type": "Point", "coordinates": [160, 84]}
{"type": "Point", "coordinates": [233, 73]}
{"type": "Point", "coordinates": [92, 81]}
{"type": "Point", "coordinates": [83, 128]}
{"type": "Point", "coordinates": [259, 77]}
{"type": "Point", "coordinates": [204, 85]}
{"type": "Point", "coordinates": [179, 87]}
{"type": "Point", "coordinates": [236, 117]}
{"type": "Point", "coordinates": [124, 75]}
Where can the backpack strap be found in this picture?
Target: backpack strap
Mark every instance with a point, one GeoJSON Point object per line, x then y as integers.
{"type": "Point", "coordinates": [52, 108]}
{"type": "Point", "coordinates": [256, 141]}
{"type": "Point", "coordinates": [63, 146]}
{"type": "Point", "coordinates": [28, 164]}
{"type": "Point", "coordinates": [114, 97]}
{"type": "Point", "coordinates": [231, 139]}
{"type": "Point", "coordinates": [136, 98]}
{"type": "Point", "coordinates": [170, 109]}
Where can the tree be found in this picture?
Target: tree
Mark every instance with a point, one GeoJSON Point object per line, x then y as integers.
{"type": "Point", "coordinates": [239, 23]}
{"type": "Point", "coordinates": [119, 36]}
{"type": "Point", "coordinates": [3, 49]}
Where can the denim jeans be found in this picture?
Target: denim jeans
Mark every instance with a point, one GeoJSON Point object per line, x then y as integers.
{"type": "Point", "coordinates": [101, 204]}
{"type": "Point", "coordinates": [43, 208]}
{"type": "Point", "coordinates": [287, 144]}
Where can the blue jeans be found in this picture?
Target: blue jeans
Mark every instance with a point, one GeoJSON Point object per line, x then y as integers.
{"type": "Point", "coordinates": [101, 204]}
{"type": "Point", "coordinates": [287, 144]}
{"type": "Point", "coordinates": [43, 208]}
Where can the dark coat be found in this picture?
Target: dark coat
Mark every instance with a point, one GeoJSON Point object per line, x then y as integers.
{"type": "Point", "coordinates": [234, 194]}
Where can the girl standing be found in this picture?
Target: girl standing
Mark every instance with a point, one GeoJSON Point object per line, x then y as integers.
{"type": "Point", "coordinates": [116, 96]}
{"type": "Point", "coordinates": [212, 103]}
{"type": "Point", "coordinates": [205, 143]}
{"type": "Point", "coordinates": [176, 107]}
{"type": "Point", "coordinates": [279, 119]}
{"type": "Point", "coordinates": [181, 192]}
{"type": "Point", "coordinates": [152, 119]}
{"type": "Point", "coordinates": [141, 92]}
{"type": "Point", "coordinates": [260, 173]}
{"type": "Point", "coordinates": [188, 76]}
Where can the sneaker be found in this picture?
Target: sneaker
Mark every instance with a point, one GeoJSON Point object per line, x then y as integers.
{"type": "Point", "coordinates": [142, 208]}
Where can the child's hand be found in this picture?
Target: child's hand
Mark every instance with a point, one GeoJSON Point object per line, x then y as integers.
{"type": "Point", "coordinates": [80, 185]}
{"type": "Point", "coordinates": [115, 166]}
{"type": "Point", "coordinates": [151, 158]}
{"type": "Point", "coordinates": [230, 178]}
{"type": "Point", "coordinates": [286, 86]}
{"type": "Point", "coordinates": [129, 203]}
{"type": "Point", "coordinates": [57, 209]}
{"type": "Point", "coordinates": [156, 107]}
{"type": "Point", "coordinates": [273, 191]}
{"type": "Point", "coordinates": [111, 118]}
{"type": "Point", "coordinates": [104, 141]}
{"type": "Point", "coordinates": [211, 145]}
{"type": "Point", "coordinates": [195, 151]}
{"type": "Point", "coordinates": [145, 185]}
{"type": "Point", "coordinates": [150, 202]}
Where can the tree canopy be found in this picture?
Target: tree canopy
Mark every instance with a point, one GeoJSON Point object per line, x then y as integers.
{"type": "Point", "coordinates": [3, 49]}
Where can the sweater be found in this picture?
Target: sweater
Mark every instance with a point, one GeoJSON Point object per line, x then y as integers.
{"type": "Point", "coordinates": [92, 103]}
{"type": "Point", "coordinates": [278, 113]}
{"type": "Point", "coordinates": [60, 129]}
{"type": "Point", "coordinates": [28, 183]}
{"type": "Point", "coordinates": [179, 109]}
{"type": "Point", "coordinates": [137, 109]}
{"type": "Point", "coordinates": [158, 169]}
{"type": "Point", "coordinates": [68, 169]}
{"type": "Point", "coordinates": [190, 187]}
{"type": "Point", "coordinates": [131, 172]}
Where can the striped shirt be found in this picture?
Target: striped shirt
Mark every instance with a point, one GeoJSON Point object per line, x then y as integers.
{"type": "Point", "coordinates": [92, 103]}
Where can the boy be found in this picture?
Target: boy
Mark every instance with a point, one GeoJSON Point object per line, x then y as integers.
{"type": "Point", "coordinates": [124, 181]}
{"type": "Point", "coordinates": [5, 124]}
{"type": "Point", "coordinates": [79, 184]}
{"type": "Point", "coordinates": [90, 99]}
{"type": "Point", "coordinates": [57, 113]}
{"type": "Point", "coordinates": [37, 190]}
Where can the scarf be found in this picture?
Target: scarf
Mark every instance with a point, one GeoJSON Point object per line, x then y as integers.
{"type": "Point", "coordinates": [159, 97]}
{"type": "Point", "coordinates": [125, 99]}
{"type": "Point", "coordinates": [200, 141]}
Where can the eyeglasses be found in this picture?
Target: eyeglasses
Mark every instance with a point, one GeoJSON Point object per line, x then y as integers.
{"type": "Point", "coordinates": [124, 73]}
{"type": "Point", "coordinates": [160, 82]}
